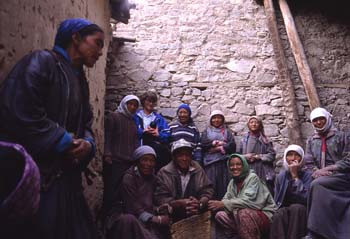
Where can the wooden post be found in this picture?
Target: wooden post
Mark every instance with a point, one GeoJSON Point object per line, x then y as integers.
{"type": "Point", "coordinates": [292, 117]}
{"type": "Point", "coordinates": [299, 55]}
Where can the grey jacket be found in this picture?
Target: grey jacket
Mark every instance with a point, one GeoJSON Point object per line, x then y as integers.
{"type": "Point", "coordinates": [337, 152]}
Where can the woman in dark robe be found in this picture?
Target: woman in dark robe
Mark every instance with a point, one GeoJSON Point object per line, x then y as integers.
{"type": "Point", "coordinates": [258, 151]}
{"type": "Point", "coordinates": [328, 153]}
{"type": "Point", "coordinates": [120, 143]}
{"type": "Point", "coordinates": [138, 220]}
{"type": "Point", "coordinates": [291, 190]}
{"type": "Point", "coordinates": [44, 105]}
{"type": "Point", "coordinates": [217, 141]}
{"type": "Point", "coordinates": [247, 207]}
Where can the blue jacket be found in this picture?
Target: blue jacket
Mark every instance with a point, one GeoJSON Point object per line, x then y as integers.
{"type": "Point", "coordinates": [163, 129]}
{"type": "Point", "coordinates": [300, 187]}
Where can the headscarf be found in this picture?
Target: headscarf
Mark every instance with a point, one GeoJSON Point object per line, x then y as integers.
{"type": "Point", "coordinates": [143, 150]}
{"type": "Point", "coordinates": [68, 27]}
{"type": "Point", "coordinates": [321, 112]}
{"type": "Point", "coordinates": [217, 112]}
{"type": "Point", "coordinates": [186, 107]}
{"type": "Point", "coordinates": [123, 108]}
{"type": "Point", "coordinates": [296, 148]}
{"type": "Point", "coordinates": [245, 170]}
{"type": "Point", "coordinates": [261, 129]}
{"type": "Point", "coordinates": [23, 200]}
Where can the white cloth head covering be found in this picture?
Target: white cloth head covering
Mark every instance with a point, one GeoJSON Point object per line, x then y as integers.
{"type": "Point", "coordinates": [122, 108]}
{"type": "Point", "coordinates": [296, 148]}
{"type": "Point", "coordinates": [143, 150]}
{"type": "Point", "coordinates": [181, 143]}
{"type": "Point", "coordinates": [321, 112]}
{"type": "Point", "coordinates": [216, 112]}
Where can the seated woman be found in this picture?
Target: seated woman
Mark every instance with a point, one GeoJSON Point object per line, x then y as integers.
{"type": "Point", "coordinates": [328, 152]}
{"type": "Point", "coordinates": [152, 128]}
{"type": "Point", "coordinates": [184, 128]}
{"type": "Point", "coordinates": [247, 207]}
{"type": "Point", "coordinates": [292, 187]}
{"type": "Point", "coordinates": [138, 219]}
{"type": "Point", "coordinates": [183, 183]}
{"type": "Point", "coordinates": [217, 141]}
{"type": "Point", "coordinates": [258, 151]}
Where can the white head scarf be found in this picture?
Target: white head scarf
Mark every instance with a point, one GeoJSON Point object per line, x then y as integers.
{"type": "Point", "coordinates": [122, 108]}
{"type": "Point", "coordinates": [296, 148]}
{"type": "Point", "coordinates": [321, 112]}
{"type": "Point", "coordinates": [216, 112]}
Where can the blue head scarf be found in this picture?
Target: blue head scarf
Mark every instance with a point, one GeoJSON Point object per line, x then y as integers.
{"type": "Point", "coordinates": [186, 107]}
{"type": "Point", "coordinates": [68, 27]}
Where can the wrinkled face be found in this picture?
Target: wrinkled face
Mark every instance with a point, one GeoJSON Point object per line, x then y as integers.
{"type": "Point", "coordinates": [90, 48]}
{"type": "Point", "coordinates": [182, 159]}
{"type": "Point", "coordinates": [149, 105]}
{"type": "Point", "coordinates": [216, 121]}
{"type": "Point", "coordinates": [132, 106]}
{"type": "Point", "coordinates": [293, 157]}
{"type": "Point", "coordinates": [146, 164]}
{"type": "Point", "coordinates": [236, 166]}
{"type": "Point", "coordinates": [184, 116]}
{"type": "Point", "coordinates": [254, 125]}
{"type": "Point", "coordinates": [319, 122]}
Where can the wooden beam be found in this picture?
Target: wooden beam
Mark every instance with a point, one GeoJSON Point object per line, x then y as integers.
{"type": "Point", "coordinates": [299, 55]}
{"type": "Point", "coordinates": [292, 117]}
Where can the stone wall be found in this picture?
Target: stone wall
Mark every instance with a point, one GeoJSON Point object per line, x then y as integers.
{"type": "Point", "coordinates": [26, 25]}
{"type": "Point", "coordinates": [217, 54]}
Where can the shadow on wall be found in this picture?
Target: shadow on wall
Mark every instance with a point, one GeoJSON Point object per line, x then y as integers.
{"type": "Point", "coordinates": [336, 10]}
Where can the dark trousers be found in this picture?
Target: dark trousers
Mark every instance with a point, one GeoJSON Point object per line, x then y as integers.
{"type": "Point", "coordinates": [289, 222]}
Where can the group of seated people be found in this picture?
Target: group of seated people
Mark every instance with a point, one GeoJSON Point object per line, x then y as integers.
{"type": "Point", "coordinates": [147, 187]}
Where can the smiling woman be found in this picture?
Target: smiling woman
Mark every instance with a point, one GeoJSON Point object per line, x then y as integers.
{"type": "Point", "coordinates": [247, 207]}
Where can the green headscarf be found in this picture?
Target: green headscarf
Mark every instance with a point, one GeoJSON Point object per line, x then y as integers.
{"type": "Point", "coordinates": [246, 168]}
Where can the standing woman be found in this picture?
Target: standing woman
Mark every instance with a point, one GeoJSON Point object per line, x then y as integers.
{"type": "Point", "coordinates": [120, 143]}
{"type": "Point", "coordinates": [152, 129]}
{"type": "Point", "coordinates": [44, 105]}
{"type": "Point", "coordinates": [185, 128]}
{"type": "Point", "coordinates": [258, 151]}
{"type": "Point", "coordinates": [217, 141]}
{"type": "Point", "coordinates": [248, 206]}
{"type": "Point", "coordinates": [291, 190]}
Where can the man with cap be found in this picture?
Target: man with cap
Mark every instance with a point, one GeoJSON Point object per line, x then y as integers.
{"type": "Point", "coordinates": [328, 151]}
{"type": "Point", "coordinates": [182, 183]}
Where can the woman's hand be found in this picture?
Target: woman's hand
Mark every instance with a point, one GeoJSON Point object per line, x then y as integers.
{"type": "Point", "coordinates": [80, 149]}
{"type": "Point", "coordinates": [293, 169]}
{"type": "Point", "coordinates": [214, 205]}
{"type": "Point", "coordinates": [327, 171]}
{"type": "Point", "coordinates": [152, 131]}
{"type": "Point", "coordinates": [321, 172]}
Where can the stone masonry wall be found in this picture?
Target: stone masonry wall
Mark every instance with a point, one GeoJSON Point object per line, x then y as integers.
{"type": "Point", "coordinates": [217, 54]}
{"type": "Point", "coordinates": [27, 25]}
